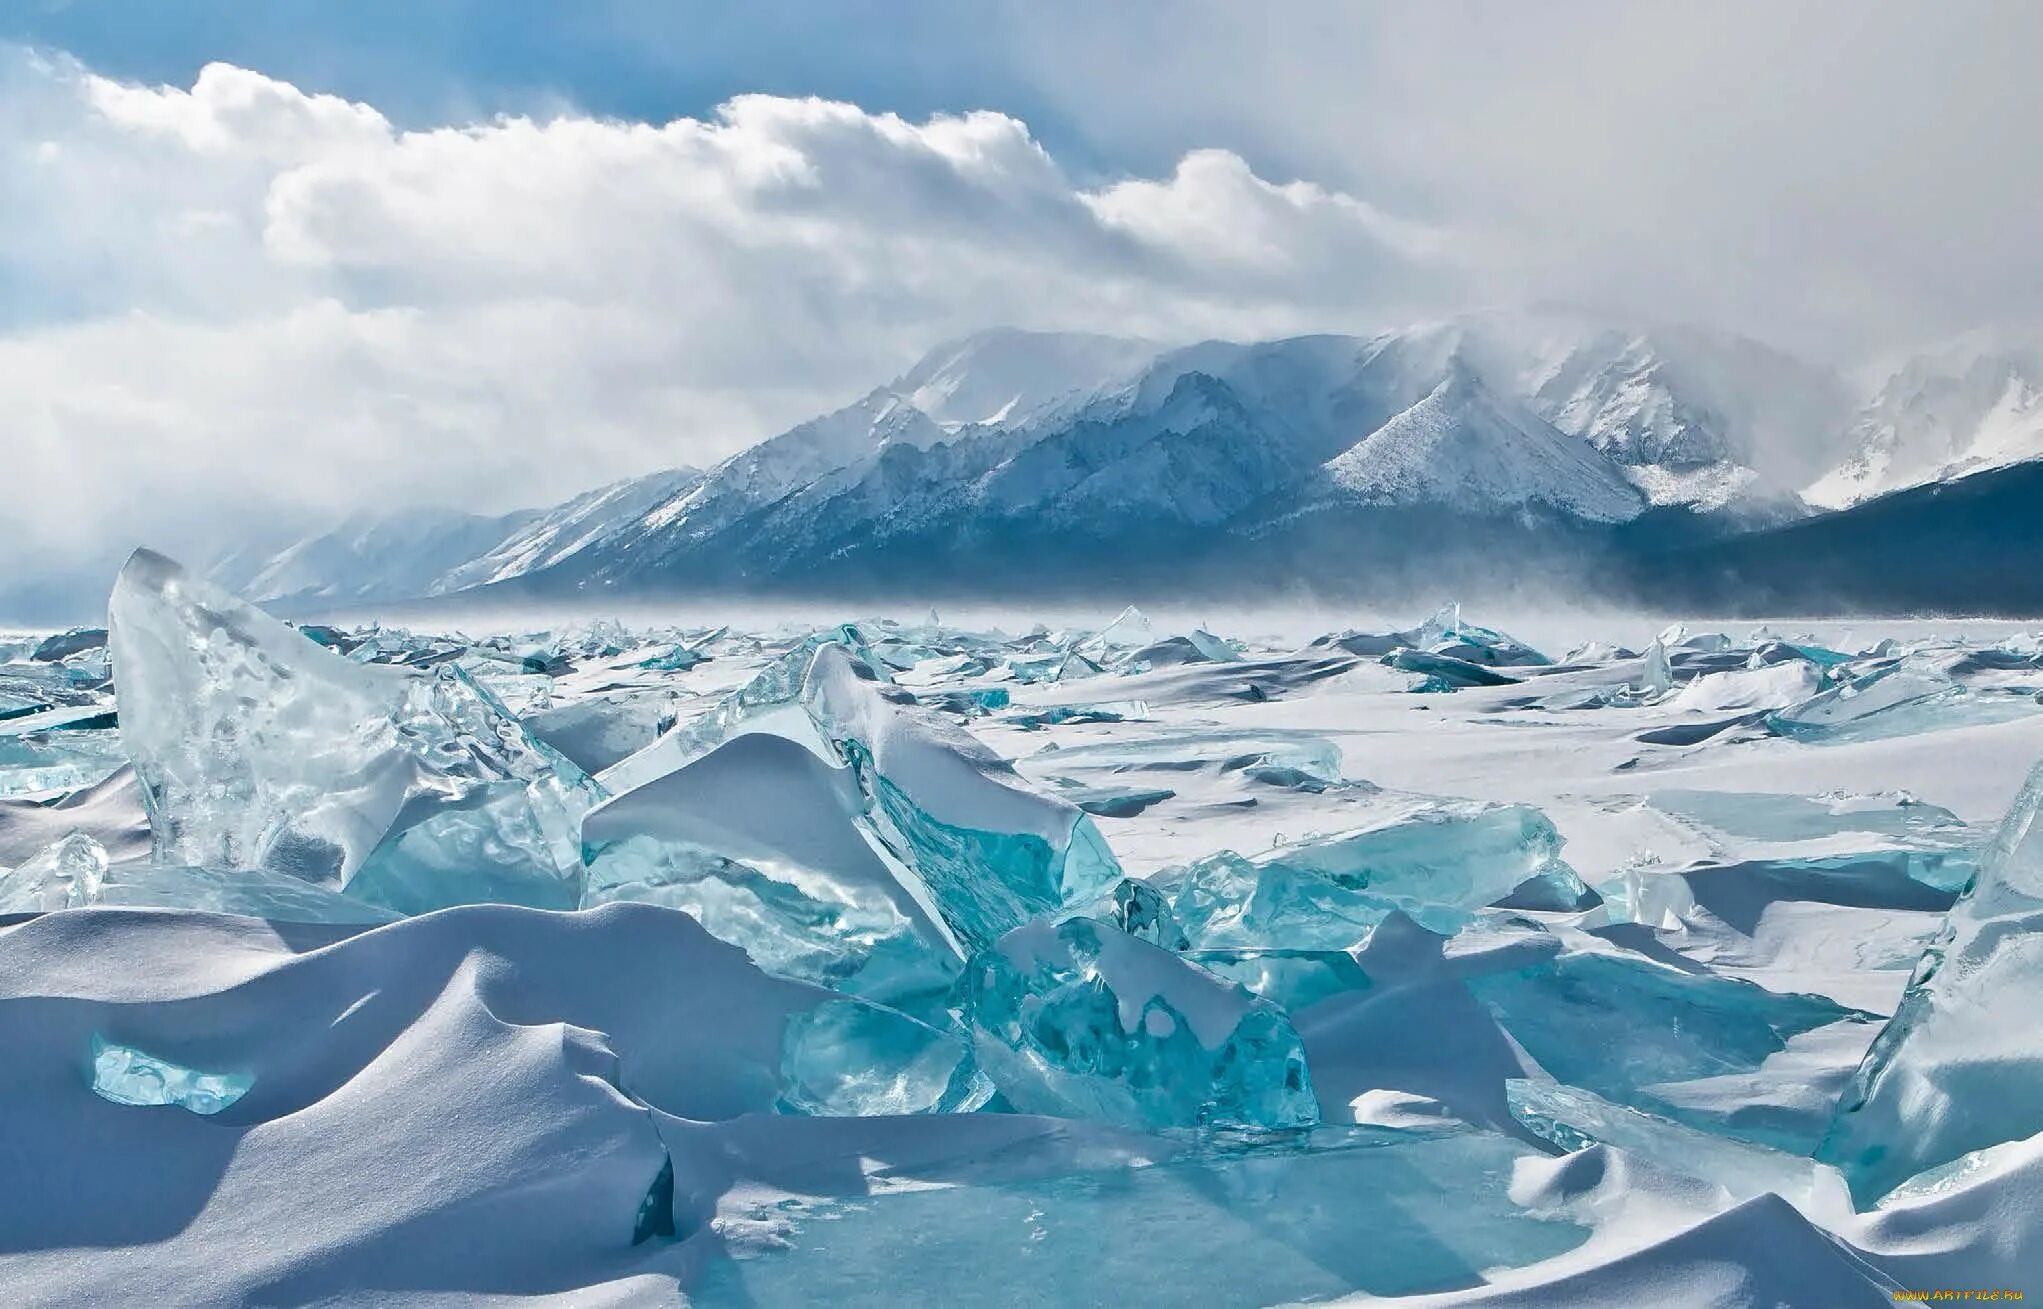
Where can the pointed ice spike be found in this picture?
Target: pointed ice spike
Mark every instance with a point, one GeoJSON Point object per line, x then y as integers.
{"type": "Point", "coordinates": [1960, 1065]}
{"type": "Point", "coordinates": [1130, 628]}
{"type": "Point", "coordinates": [1442, 626]}
{"type": "Point", "coordinates": [766, 703]}
{"type": "Point", "coordinates": [1658, 678]}
{"type": "Point", "coordinates": [258, 748]}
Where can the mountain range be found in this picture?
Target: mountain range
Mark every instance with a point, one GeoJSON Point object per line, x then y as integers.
{"type": "Point", "coordinates": [1669, 464]}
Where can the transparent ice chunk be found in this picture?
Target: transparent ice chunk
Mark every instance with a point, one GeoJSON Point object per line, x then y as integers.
{"type": "Point", "coordinates": [125, 1075]}
{"type": "Point", "coordinates": [1445, 633]}
{"type": "Point", "coordinates": [762, 703]}
{"type": "Point", "coordinates": [1244, 1226]}
{"type": "Point", "coordinates": [1299, 761]}
{"type": "Point", "coordinates": [849, 1059]}
{"type": "Point", "coordinates": [979, 849]}
{"type": "Point", "coordinates": [599, 731]}
{"type": "Point", "coordinates": [1102, 711]}
{"type": "Point", "coordinates": [1447, 670]}
{"type": "Point", "coordinates": [1437, 860]}
{"type": "Point", "coordinates": [1294, 979]}
{"type": "Point", "coordinates": [67, 874]}
{"type": "Point", "coordinates": [1082, 1020]}
{"type": "Point", "coordinates": [1140, 910]}
{"type": "Point", "coordinates": [246, 892]}
{"type": "Point", "coordinates": [1960, 1066]}
{"type": "Point", "coordinates": [59, 749]}
{"type": "Point", "coordinates": [1558, 889]}
{"type": "Point", "coordinates": [74, 872]}
{"type": "Point", "coordinates": [760, 841]}
{"type": "Point", "coordinates": [1658, 678]}
{"type": "Point", "coordinates": [1627, 1029]}
{"type": "Point", "coordinates": [63, 645]}
{"type": "Point", "coordinates": [1228, 901]}
{"type": "Point", "coordinates": [1130, 629]}
{"type": "Point", "coordinates": [257, 748]}
{"type": "Point", "coordinates": [843, 834]}
{"type": "Point", "coordinates": [1907, 696]}
{"type": "Point", "coordinates": [1573, 1119]}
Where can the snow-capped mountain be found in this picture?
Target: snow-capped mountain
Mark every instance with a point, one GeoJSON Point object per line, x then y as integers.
{"type": "Point", "coordinates": [1969, 407]}
{"type": "Point", "coordinates": [427, 552]}
{"type": "Point", "coordinates": [1007, 377]}
{"type": "Point", "coordinates": [548, 538]}
{"type": "Point", "coordinates": [1003, 457]}
{"type": "Point", "coordinates": [370, 557]}
{"type": "Point", "coordinates": [1467, 451]}
{"type": "Point", "coordinates": [1195, 447]}
{"type": "Point", "coordinates": [1695, 418]}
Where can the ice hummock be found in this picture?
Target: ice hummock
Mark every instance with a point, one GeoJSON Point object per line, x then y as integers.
{"type": "Point", "coordinates": [1959, 1067]}
{"type": "Point", "coordinates": [257, 748]}
{"type": "Point", "coordinates": [972, 850]}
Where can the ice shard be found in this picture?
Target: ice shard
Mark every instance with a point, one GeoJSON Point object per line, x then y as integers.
{"type": "Point", "coordinates": [1299, 761]}
{"type": "Point", "coordinates": [1960, 1065]}
{"type": "Point", "coordinates": [67, 874]}
{"type": "Point", "coordinates": [58, 748]}
{"type": "Point", "coordinates": [849, 1059]}
{"type": "Point", "coordinates": [1909, 695]}
{"type": "Point", "coordinates": [768, 702]}
{"type": "Point", "coordinates": [1295, 979]}
{"type": "Point", "coordinates": [1446, 672]}
{"type": "Point", "coordinates": [979, 849]}
{"type": "Point", "coordinates": [79, 640]}
{"type": "Point", "coordinates": [844, 835]}
{"type": "Point", "coordinates": [1658, 677]}
{"type": "Point", "coordinates": [1140, 910]}
{"type": "Point", "coordinates": [601, 730]}
{"type": "Point", "coordinates": [1079, 1019]}
{"type": "Point", "coordinates": [1446, 634]}
{"type": "Point", "coordinates": [125, 1075]}
{"type": "Point", "coordinates": [1131, 628]}
{"type": "Point", "coordinates": [1572, 1119]}
{"type": "Point", "coordinates": [1437, 860]}
{"type": "Point", "coordinates": [257, 748]}
{"type": "Point", "coordinates": [1102, 711]}
{"type": "Point", "coordinates": [1631, 1030]}
{"type": "Point", "coordinates": [75, 872]}
{"type": "Point", "coordinates": [760, 840]}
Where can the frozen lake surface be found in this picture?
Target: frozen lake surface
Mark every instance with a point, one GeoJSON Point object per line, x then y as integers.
{"type": "Point", "coordinates": [1540, 959]}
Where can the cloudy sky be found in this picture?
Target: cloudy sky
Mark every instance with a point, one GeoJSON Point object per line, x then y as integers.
{"type": "Point", "coordinates": [267, 263]}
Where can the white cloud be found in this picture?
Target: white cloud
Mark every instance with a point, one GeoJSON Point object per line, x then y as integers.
{"type": "Point", "coordinates": [1837, 181]}
{"type": "Point", "coordinates": [238, 301]}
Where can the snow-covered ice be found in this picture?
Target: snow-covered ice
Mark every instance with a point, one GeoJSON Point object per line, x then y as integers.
{"type": "Point", "coordinates": [1140, 959]}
